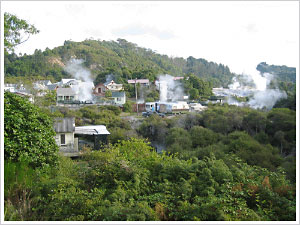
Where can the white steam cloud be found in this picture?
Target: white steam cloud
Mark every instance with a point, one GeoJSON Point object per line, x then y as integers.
{"type": "Point", "coordinates": [85, 85]}
{"type": "Point", "coordinates": [169, 89]}
{"type": "Point", "coordinates": [255, 87]}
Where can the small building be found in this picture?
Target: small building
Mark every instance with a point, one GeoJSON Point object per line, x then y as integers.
{"type": "Point", "coordinates": [10, 87]}
{"type": "Point", "coordinates": [112, 86]}
{"type": "Point", "coordinates": [144, 82]}
{"type": "Point", "coordinates": [24, 94]}
{"type": "Point", "coordinates": [119, 97]}
{"type": "Point", "coordinates": [100, 90]}
{"type": "Point", "coordinates": [66, 95]}
{"type": "Point", "coordinates": [65, 129]}
{"type": "Point", "coordinates": [178, 78]}
{"type": "Point", "coordinates": [197, 107]}
{"type": "Point", "coordinates": [95, 135]}
{"type": "Point", "coordinates": [41, 84]}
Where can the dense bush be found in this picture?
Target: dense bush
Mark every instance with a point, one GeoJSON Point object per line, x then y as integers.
{"type": "Point", "coordinates": [28, 133]}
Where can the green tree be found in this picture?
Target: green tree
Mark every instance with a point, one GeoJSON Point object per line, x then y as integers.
{"type": "Point", "coordinates": [16, 31]}
{"type": "Point", "coordinates": [28, 133]}
{"type": "Point", "coordinates": [202, 136]}
{"type": "Point", "coordinates": [108, 93]}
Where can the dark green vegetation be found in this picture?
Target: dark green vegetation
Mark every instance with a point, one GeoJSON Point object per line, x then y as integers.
{"type": "Point", "coordinates": [265, 139]}
{"type": "Point", "coordinates": [121, 58]}
{"type": "Point", "coordinates": [227, 163]}
{"type": "Point", "coordinates": [282, 73]}
{"type": "Point", "coordinates": [28, 133]}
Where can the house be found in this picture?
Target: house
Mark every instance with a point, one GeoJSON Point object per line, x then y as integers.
{"type": "Point", "coordinates": [100, 90]}
{"type": "Point", "coordinates": [144, 82]}
{"type": "Point", "coordinates": [24, 94]}
{"type": "Point", "coordinates": [119, 98]}
{"type": "Point", "coordinates": [112, 86]}
{"type": "Point", "coordinates": [41, 84]}
{"type": "Point", "coordinates": [72, 83]}
{"type": "Point", "coordinates": [64, 82]}
{"type": "Point", "coordinates": [14, 87]}
{"type": "Point", "coordinates": [10, 87]}
{"type": "Point", "coordinates": [66, 94]}
{"type": "Point", "coordinates": [65, 129]}
{"type": "Point", "coordinates": [92, 136]}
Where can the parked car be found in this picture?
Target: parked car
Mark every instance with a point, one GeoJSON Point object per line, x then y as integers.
{"type": "Point", "coordinates": [147, 114]}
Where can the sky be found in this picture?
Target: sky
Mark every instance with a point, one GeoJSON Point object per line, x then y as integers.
{"type": "Point", "coordinates": [239, 34]}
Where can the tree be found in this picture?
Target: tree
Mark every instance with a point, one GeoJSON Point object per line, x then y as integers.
{"type": "Point", "coordinates": [28, 133]}
{"type": "Point", "coordinates": [108, 93]}
{"type": "Point", "coordinates": [16, 31]}
{"type": "Point", "coordinates": [202, 136]}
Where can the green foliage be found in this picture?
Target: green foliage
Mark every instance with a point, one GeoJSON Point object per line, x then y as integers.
{"type": "Point", "coordinates": [284, 120]}
{"type": "Point", "coordinates": [28, 133]}
{"type": "Point", "coordinates": [108, 94]}
{"type": "Point", "coordinates": [178, 140]}
{"type": "Point", "coordinates": [122, 59]}
{"type": "Point", "coordinates": [127, 107]}
{"type": "Point", "coordinates": [14, 29]}
{"type": "Point", "coordinates": [252, 151]}
{"type": "Point", "coordinates": [202, 136]}
{"type": "Point", "coordinates": [129, 181]}
{"type": "Point", "coordinates": [47, 100]}
{"type": "Point", "coordinates": [282, 73]}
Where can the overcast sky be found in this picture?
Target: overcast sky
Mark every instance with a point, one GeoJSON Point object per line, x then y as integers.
{"type": "Point", "coordinates": [238, 34]}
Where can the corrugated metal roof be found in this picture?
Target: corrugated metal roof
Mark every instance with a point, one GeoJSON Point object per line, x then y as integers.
{"type": "Point", "coordinates": [91, 130]}
{"type": "Point", "coordinates": [64, 125]}
{"type": "Point", "coordinates": [141, 81]}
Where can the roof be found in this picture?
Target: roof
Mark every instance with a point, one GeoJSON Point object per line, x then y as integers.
{"type": "Point", "coordinates": [65, 91]}
{"type": "Point", "coordinates": [118, 94]}
{"type": "Point", "coordinates": [44, 82]}
{"type": "Point", "coordinates": [178, 78]}
{"type": "Point", "coordinates": [52, 87]}
{"type": "Point", "coordinates": [108, 82]}
{"type": "Point", "coordinates": [141, 81]}
{"type": "Point", "coordinates": [91, 130]}
{"type": "Point", "coordinates": [64, 81]}
{"type": "Point", "coordinates": [64, 125]}
{"type": "Point", "coordinates": [10, 85]}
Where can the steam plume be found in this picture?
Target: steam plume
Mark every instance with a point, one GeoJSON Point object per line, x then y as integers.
{"type": "Point", "coordinates": [79, 72]}
{"type": "Point", "coordinates": [169, 89]}
{"type": "Point", "coordinates": [254, 86]}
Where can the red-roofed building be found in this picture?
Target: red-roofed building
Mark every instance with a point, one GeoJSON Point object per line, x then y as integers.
{"type": "Point", "coordinates": [144, 82]}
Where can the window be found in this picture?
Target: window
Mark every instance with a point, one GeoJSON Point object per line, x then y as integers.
{"type": "Point", "coordinates": [62, 139]}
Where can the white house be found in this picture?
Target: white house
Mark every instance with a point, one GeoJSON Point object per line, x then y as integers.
{"type": "Point", "coordinates": [111, 85]}
{"type": "Point", "coordinates": [119, 98]}
{"type": "Point", "coordinates": [66, 94]}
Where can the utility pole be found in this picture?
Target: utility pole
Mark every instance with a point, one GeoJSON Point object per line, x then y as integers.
{"type": "Point", "coordinates": [137, 106]}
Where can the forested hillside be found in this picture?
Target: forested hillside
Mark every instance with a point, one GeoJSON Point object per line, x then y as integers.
{"type": "Point", "coordinates": [123, 59]}
{"type": "Point", "coordinates": [282, 73]}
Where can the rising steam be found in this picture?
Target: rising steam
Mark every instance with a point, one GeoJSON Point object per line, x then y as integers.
{"type": "Point", "coordinates": [255, 87]}
{"type": "Point", "coordinates": [169, 89]}
{"type": "Point", "coordinates": [79, 72]}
